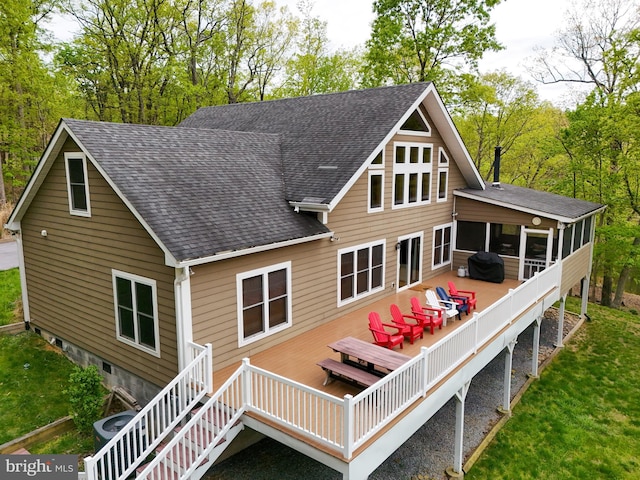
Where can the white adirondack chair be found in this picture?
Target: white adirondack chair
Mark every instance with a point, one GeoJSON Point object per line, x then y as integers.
{"type": "Point", "coordinates": [449, 308]}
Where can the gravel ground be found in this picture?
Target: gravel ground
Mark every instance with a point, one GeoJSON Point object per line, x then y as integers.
{"type": "Point", "coordinates": [427, 454]}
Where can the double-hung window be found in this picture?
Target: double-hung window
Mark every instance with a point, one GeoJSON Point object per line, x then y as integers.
{"type": "Point", "coordinates": [443, 175]}
{"type": "Point", "coordinates": [77, 184]}
{"type": "Point", "coordinates": [264, 302]}
{"type": "Point", "coordinates": [441, 245]}
{"type": "Point", "coordinates": [376, 184]}
{"type": "Point", "coordinates": [361, 271]}
{"type": "Point", "coordinates": [136, 308]}
{"type": "Point", "coordinates": [411, 174]}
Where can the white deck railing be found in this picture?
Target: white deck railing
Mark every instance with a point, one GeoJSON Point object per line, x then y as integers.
{"type": "Point", "coordinates": [340, 424]}
{"type": "Point", "coordinates": [131, 445]}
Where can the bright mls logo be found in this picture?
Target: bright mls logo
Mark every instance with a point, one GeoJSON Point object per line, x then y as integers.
{"type": "Point", "coordinates": [38, 467]}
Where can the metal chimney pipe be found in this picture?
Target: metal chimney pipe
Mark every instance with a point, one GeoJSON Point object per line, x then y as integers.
{"type": "Point", "coordinates": [496, 167]}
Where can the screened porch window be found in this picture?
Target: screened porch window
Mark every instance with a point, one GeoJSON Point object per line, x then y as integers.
{"type": "Point", "coordinates": [471, 236]}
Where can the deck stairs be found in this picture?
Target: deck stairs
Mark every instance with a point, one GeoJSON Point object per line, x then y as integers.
{"type": "Point", "coordinates": [195, 446]}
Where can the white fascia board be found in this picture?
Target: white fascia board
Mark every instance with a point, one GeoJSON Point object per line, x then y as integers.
{"type": "Point", "coordinates": [170, 260]}
{"type": "Point", "coordinates": [248, 251]}
{"type": "Point", "coordinates": [532, 211]}
{"type": "Point", "coordinates": [38, 176]}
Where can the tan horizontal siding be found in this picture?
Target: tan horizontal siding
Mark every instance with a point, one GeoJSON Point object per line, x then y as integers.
{"type": "Point", "coordinates": [575, 267]}
{"type": "Point", "coordinates": [474, 211]}
{"type": "Point", "coordinates": [69, 278]}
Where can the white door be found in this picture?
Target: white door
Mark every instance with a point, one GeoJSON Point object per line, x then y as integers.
{"type": "Point", "coordinates": [536, 247]}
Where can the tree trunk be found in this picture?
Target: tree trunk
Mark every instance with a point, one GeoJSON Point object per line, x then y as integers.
{"type": "Point", "coordinates": [607, 289]}
{"type": "Point", "coordinates": [622, 280]}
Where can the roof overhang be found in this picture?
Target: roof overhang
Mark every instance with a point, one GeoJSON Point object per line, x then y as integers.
{"type": "Point", "coordinates": [248, 251]}
{"type": "Point", "coordinates": [532, 211]}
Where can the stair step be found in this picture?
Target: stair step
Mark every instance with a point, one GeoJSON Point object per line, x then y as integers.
{"type": "Point", "coordinates": [200, 436]}
{"type": "Point", "coordinates": [159, 472]}
{"type": "Point", "coordinates": [218, 417]}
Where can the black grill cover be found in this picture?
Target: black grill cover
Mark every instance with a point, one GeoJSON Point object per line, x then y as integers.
{"type": "Point", "coordinates": [486, 266]}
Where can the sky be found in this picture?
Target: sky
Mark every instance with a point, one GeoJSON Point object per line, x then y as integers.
{"type": "Point", "coordinates": [521, 26]}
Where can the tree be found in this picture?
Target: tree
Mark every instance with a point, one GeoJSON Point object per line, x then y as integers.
{"type": "Point", "coordinates": [313, 68]}
{"type": "Point", "coordinates": [501, 110]}
{"type": "Point", "coordinates": [600, 48]}
{"type": "Point", "coordinates": [418, 40]}
{"type": "Point", "coordinates": [28, 100]}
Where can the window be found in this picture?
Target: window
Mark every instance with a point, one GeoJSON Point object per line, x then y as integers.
{"type": "Point", "coordinates": [577, 235]}
{"type": "Point", "coordinates": [264, 302]}
{"type": "Point", "coordinates": [376, 184]}
{"type": "Point", "coordinates": [136, 308]}
{"type": "Point", "coordinates": [77, 184]}
{"type": "Point", "coordinates": [504, 239]}
{"type": "Point", "coordinates": [441, 245]}
{"type": "Point", "coordinates": [361, 271]}
{"type": "Point", "coordinates": [567, 239]}
{"type": "Point", "coordinates": [416, 124]}
{"type": "Point", "coordinates": [443, 175]}
{"type": "Point", "coordinates": [411, 174]}
{"type": "Point", "coordinates": [471, 236]}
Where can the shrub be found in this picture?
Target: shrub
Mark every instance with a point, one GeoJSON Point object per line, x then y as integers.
{"type": "Point", "coordinates": [86, 397]}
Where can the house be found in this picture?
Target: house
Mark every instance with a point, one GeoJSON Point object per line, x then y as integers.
{"type": "Point", "coordinates": [155, 251]}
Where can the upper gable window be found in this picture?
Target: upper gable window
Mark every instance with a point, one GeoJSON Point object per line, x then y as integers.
{"type": "Point", "coordinates": [443, 175]}
{"type": "Point", "coordinates": [376, 184]}
{"type": "Point", "coordinates": [411, 174]}
{"type": "Point", "coordinates": [77, 184]}
{"type": "Point", "coordinates": [416, 124]}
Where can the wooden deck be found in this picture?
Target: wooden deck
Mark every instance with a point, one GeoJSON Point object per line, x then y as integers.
{"type": "Point", "coordinates": [296, 359]}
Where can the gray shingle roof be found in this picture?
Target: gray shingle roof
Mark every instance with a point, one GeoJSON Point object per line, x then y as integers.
{"type": "Point", "coordinates": [525, 199]}
{"type": "Point", "coordinates": [202, 192]}
{"type": "Point", "coordinates": [338, 131]}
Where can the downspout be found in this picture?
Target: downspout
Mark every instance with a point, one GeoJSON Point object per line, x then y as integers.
{"type": "Point", "coordinates": [17, 234]}
{"type": "Point", "coordinates": [184, 321]}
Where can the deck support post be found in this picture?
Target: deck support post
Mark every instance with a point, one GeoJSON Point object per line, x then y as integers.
{"type": "Point", "coordinates": [585, 296]}
{"type": "Point", "coordinates": [456, 470]}
{"type": "Point", "coordinates": [563, 301]}
{"type": "Point", "coordinates": [536, 348]}
{"type": "Point", "coordinates": [508, 364]}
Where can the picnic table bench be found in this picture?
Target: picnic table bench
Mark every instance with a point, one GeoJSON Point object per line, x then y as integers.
{"type": "Point", "coordinates": [347, 373]}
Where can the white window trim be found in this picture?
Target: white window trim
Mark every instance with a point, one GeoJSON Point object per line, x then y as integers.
{"type": "Point", "coordinates": [410, 236]}
{"type": "Point", "coordinates": [407, 168]}
{"type": "Point", "coordinates": [435, 265]}
{"type": "Point", "coordinates": [442, 168]}
{"type": "Point", "coordinates": [264, 271]}
{"type": "Point", "coordinates": [378, 173]}
{"type": "Point", "coordinates": [156, 330]}
{"type": "Point", "coordinates": [77, 156]}
{"type": "Point", "coordinates": [355, 249]}
{"type": "Point", "coordinates": [415, 132]}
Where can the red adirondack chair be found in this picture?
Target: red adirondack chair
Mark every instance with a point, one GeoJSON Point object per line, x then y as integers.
{"type": "Point", "coordinates": [468, 294]}
{"type": "Point", "coordinates": [411, 329]}
{"type": "Point", "coordinates": [430, 317]}
{"type": "Point", "coordinates": [382, 337]}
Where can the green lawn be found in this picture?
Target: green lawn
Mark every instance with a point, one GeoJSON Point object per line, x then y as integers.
{"type": "Point", "coordinates": [9, 294]}
{"type": "Point", "coordinates": [32, 379]}
{"type": "Point", "coordinates": [582, 418]}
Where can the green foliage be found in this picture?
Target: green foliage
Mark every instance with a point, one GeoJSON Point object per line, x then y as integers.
{"type": "Point", "coordinates": [33, 377]}
{"type": "Point", "coordinates": [9, 295]}
{"type": "Point", "coordinates": [414, 40]}
{"type": "Point", "coordinates": [86, 394]}
{"type": "Point", "coordinates": [582, 418]}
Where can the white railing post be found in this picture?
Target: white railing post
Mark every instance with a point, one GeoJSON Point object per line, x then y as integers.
{"type": "Point", "coordinates": [424, 351]}
{"type": "Point", "coordinates": [247, 398]}
{"type": "Point", "coordinates": [208, 368]}
{"type": "Point", "coordinates": [89, 468]}
{"type": "Point", "coordinates": [348, 430]}
{"type": "Point", "coordinates": [476, 332]}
